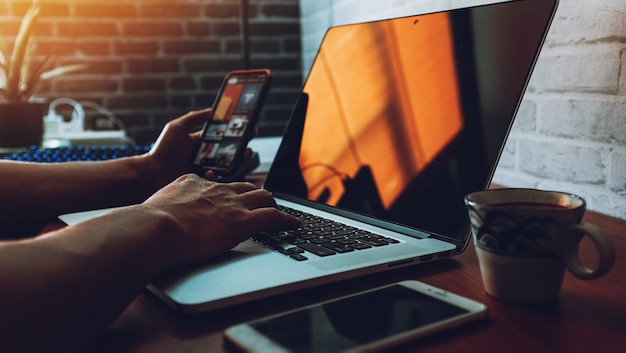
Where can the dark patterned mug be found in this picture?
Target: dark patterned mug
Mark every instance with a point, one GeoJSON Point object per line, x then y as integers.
{"type": "Point", "coordinates": [525, 238]}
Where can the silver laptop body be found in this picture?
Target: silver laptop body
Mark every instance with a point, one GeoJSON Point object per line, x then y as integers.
{"type": "Point", "coordinates": [397, 121]}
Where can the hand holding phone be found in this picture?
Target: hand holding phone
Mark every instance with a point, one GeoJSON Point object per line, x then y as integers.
{"type": "Point", "coordinates": [235, 113]}
{"type": "Point", "coordinates": [369, 321]}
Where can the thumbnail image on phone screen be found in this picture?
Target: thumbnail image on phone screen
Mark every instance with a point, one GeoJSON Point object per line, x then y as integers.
{"type": "Point", "coordinates": [235, 113]}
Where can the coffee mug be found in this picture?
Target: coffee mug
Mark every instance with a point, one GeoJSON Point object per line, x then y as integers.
{"type": "Point", "coordinates": [525, 238]}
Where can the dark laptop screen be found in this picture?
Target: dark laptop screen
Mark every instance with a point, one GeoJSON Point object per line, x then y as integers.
{"type": "Point", "coordinates": [401, 118]}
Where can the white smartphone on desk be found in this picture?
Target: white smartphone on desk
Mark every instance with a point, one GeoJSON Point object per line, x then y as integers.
{"type": "Point", "coordinates": [368, 321]}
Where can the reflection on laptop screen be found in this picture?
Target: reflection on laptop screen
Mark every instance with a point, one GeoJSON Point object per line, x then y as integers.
{"type": "Point", "coordinates": [406, 116]}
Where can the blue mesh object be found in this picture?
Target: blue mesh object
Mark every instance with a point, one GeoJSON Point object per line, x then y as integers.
{"type": "Point", "coordinates": [74, 153]}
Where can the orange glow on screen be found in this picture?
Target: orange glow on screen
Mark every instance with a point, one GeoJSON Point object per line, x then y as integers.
{"type": "Point", "coordinates": [417, 82]}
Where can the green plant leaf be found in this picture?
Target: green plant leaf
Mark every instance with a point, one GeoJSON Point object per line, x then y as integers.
{"type": "Point", "coordinates": [24, 76]}
{"type": "Point", "coordinates": [3, 80]}
{"type": "Point", "coordinates": [3, 66]}
{"type": "Point", "coordinates": [3, 56]}
{"type": "Point", "coordinates": [62, 70]}
{"type": "Point", "coordinates": [21, 49]}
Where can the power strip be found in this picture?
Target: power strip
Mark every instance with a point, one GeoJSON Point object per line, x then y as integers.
{"type": "Point", "coordinates": [59, 132]}
{"type": "Point", "coordinates": [100, 138]}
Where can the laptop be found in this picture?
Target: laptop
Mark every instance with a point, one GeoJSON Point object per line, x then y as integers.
{"type": "Point", "coordinates": [398, 119]}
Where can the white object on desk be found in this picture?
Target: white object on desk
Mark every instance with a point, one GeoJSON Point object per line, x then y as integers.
{"type": "Point", "coordinates": [266, 147]}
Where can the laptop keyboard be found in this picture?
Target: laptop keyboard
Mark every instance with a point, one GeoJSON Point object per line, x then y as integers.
{"type": "Point", "coordinates": [74, 153]}
{"type": "Point", "coordinates": [320, 236]}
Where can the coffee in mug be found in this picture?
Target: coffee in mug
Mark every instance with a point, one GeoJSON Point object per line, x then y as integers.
{"type": "Point", "coordinates": [526, 238]}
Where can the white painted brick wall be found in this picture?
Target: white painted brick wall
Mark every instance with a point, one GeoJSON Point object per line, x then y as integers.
{"type": "Point", "coordinates": [570, 132]}
{"type": "Point", "coordinates": [577, 139]}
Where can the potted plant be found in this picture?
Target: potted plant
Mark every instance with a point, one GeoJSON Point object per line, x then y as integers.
{"type": "Point", "coordinates": [21, 117]}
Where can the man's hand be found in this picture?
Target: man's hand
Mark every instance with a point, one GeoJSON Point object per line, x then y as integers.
{"type": "Point", "coordinates": [171, 155]}
{"type": "Point", "coordinates": [211, 217]}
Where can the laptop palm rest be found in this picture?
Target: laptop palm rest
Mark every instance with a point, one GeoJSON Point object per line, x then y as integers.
{"type": "Point", "coordinates": [251, 270]}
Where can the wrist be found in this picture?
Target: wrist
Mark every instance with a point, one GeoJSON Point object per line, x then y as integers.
{"type": "Point", "coordinates": [148, 172]}
{"type": "Point", "coordinates": [164, 234]}
{"type": "Point", "coordinates": [156, 171]}
{"type": "Point", "coordinates": [145, 233]}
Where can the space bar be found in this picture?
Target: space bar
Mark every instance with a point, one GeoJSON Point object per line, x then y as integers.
{"type": "Point", "coordinates": [316, 249]}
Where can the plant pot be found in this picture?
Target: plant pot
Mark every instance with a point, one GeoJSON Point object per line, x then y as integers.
{"type": "Point", "coordinates": [21, 124]}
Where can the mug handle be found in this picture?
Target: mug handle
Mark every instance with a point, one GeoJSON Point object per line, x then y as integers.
{"type": "Point", "coordinates": [603, 244]}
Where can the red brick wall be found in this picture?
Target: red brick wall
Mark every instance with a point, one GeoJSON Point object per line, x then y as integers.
{"type": "Point", "coordinates": [152, 60]}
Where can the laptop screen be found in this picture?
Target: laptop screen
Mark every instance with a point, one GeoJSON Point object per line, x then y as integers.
{"type": "Point", "coordinates": [399, 119]}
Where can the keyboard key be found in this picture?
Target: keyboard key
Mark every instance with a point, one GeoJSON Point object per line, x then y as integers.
{"type": "Point", "coordinates": [360, 246]}
{"type": "Point", "coordinates": [291, 251]}
{"type": "Point", "coordinates": [316, 249]}
{"type": "Point", "coordinates": [337, 247]}
{"type": "Point", "coordinates": [319, 240]}
{"type": "Point", "coordinates": [298, 257]}
{"type": "Point", "coordinates": [374, 241]}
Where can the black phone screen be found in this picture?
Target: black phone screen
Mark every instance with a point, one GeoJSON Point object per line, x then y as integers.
{"type": "Point", "coordinates": [354, 321]}
{"type": "Point", "coordinates": [234, 115]}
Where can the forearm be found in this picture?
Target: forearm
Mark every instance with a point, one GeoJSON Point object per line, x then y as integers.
{"type": "Point", "coordinates": [64, 288]}
{"type": "Point", "coordinates": [40, 190]}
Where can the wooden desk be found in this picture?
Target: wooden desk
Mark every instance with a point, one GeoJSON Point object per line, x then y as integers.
{"type": "Point", "coordinates": [590, 316]}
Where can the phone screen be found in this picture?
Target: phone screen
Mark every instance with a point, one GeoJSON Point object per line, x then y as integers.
{"type": "Point", "coordinates": [357, 320]}
{"type": "Point", "coordinates": [234, 116]}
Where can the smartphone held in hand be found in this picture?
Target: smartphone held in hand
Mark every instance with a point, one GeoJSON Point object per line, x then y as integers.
{"type": "Point", "coordinates": [374, 320]}
{"type": "Point", "coordinates": [235, 113]}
